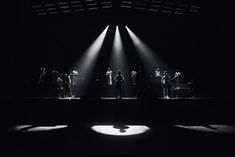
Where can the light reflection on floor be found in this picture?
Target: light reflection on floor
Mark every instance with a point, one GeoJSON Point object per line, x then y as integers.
{"type": "Point", "coordinates": [34, 128]}
{"type": "Point", "coordinates": [120, 130]}
{"type": "Point", "coordinates": [215, 128]}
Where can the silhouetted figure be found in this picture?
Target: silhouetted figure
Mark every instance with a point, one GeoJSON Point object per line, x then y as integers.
{"type": "Point", "coordinates": [157, 83]}
{"type": "Point", "coordinates": [119, 79]}
{"type": "Point", "coordinates": [109, 76]}
{"type": "Point", "coordinates": [121, 128]}
{"type": "Point", "coordinates": [55, 75]}
{"type": "Point", "coordinates": [67, 86]}
{"type": "Point", "coordinates": [42, 81]}
{"type": "Point", "coordinates": [165, 84]}
{"type": "Point", "coordinates": [133, 77]}
{"type": "Point", "coordinates": [60, 86]}
{"type": "Point", "coordinates": [177, 77]}
{"type": "Point", "coordinates": [53, 83]}
{"type": "Point", "coordinates": [42, 77]}
{"type": "Point", "coordinates": [74, 77]}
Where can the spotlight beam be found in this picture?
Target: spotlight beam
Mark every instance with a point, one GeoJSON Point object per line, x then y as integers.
{"type": "Point", "coordinates": [118, 58]}
{"type": "Point", "coordinates": [148, 57]}
{"type": "Point", "coordinates": [88, 59]}
{"type": "Point", "coordinates": [86, 63]}
{"type": "Point", "coordinates": [118, 61]}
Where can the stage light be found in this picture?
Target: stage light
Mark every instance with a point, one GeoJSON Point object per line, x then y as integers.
{"type": "Point", "coordinates": [120, 130]}
{"type": "Point", "coordinates": [149, 58]}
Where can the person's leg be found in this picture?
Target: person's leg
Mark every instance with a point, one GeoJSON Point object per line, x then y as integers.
{"type": "Point", "coordinates": [164, 92]}
{"type": "Point", "coordinates": [167, 92]}
{"type": "Point", "coordinates": [59, 93]}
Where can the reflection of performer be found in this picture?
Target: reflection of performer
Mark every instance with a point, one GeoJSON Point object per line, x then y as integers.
{"type": "Point", "coordinates": [133, 77]}
{"type": "Point", "coordinates": [165, 84]}
{"type": "Point", "coordinates": [109, 76]}
{"type": "Point", "coordinates": [119, 80]}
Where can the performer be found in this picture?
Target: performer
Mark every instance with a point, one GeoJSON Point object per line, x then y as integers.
{"type": "Point", "coordinates": [42, 82]}
{"type": "Point", "coordinates": [165, 84]}
{"type": "Point", "coordinates": [158, 73]}
{"type": "Point", "coordinates": [55, 75]}
{"type": "Point", "coordinates": [42, 76]}
{"type": "Point", "coordinates": [119, 80]}
{"type": "Point", "coordinates": [157, 83]}
{"type": "Point", "coordinates": [74, 77]}
{"type": "Point", "coordinates": [109, 76]}
{"type": "Point", "coordinates": [67, 86]}
{"type": "Point", "coordinates": [133, 77]}
{"type": "Point", "coordinates": [177, 77]}
{"type": "Point", "coordinates": [60, 86]}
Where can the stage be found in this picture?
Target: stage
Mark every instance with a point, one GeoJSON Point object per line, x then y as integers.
{"type": "Point", "coordinates": [52, 126]}
{"type": "Point", "coordinates": [96, 49]}
{"type": "Point", "coordinates": [85, 110]}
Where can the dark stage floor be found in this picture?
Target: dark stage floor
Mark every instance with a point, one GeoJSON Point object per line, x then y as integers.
{"type": "Point", "coordinates": [159, 140]}
{"type": "Point", "coordinates": [128, 109]}
{"type": "Point", "coordinates": [184, 126]}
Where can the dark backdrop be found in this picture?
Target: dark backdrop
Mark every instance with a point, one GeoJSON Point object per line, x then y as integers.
{"type": "Point", "coordinates": [191, 43]}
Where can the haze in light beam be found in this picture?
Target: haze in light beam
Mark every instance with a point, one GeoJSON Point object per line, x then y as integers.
{"type": "Point", "coordinates": [118, 59]}
{"type": "Point", "coordinates": [88, 60]}
{"type": "Point", "coordinates": [148, 57]}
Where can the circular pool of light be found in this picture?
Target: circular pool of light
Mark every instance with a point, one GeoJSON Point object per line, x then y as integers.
{"type": "Point", "coordinates": [120, 130]}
